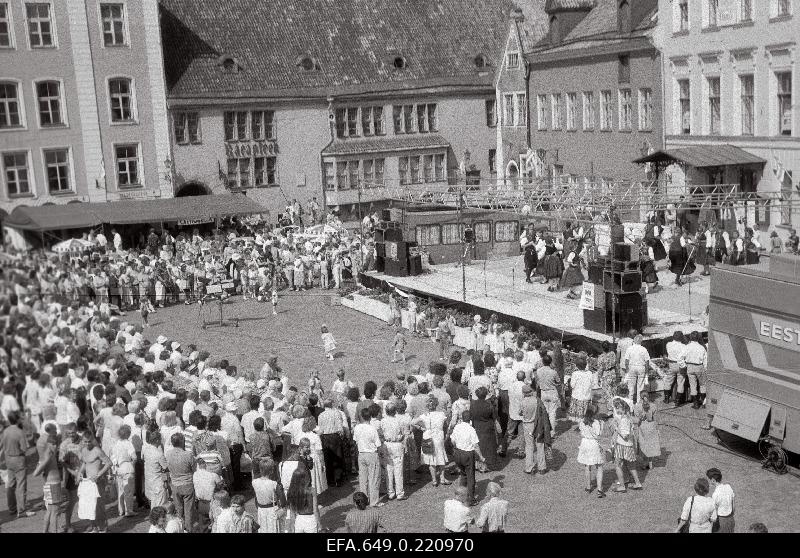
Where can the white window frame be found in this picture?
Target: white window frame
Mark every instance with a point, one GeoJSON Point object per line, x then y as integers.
{"type": "Point", "coordinates": [542, 104]}
{"type": "Point", "coordinates": [678, 28]}
{"type": "Point", "coordinates": [645, 109]}
{"type": "Point", "coordinates": [125, 25]}
{"type": "Point", "coordinates": [70, 173]}
{"type": "Point", "coordinates": [679, 107]}
{"type": "Point", "coordinates": [266, 158]}
{"type": "Point", "coordinates": [12, 43]}
{"type": "Point", "coordinates": [493, 104]}
{"type": "Point", "coordinates": [61, 100]}
{"type": "Point", "coordinates": [509, 108]}
{"type": "Point", "coordinates": [708, 119]}
{"type": "Point", "coordinates": [746, 17]}
{"type": "Point", "coordinates": [184, 115]}
{"type": "Point", "coordinates": [428, 228]}
{"type": "Point", "coordinates": [707, 23]}
{"type": "Point", "coordinates": [134, 105]}
{"type": "Point", "coordinates": [741, 91]}
{"type": "Point", "coordinates": [248, 133]}
{"type": "Point", "coordinates": [589, 124]}
{"type": "Point", "coordinates": [774, 9]}
{"type": "Point", "coordinates": [623, 125]}
{"type": "Point", "coordinates": [32, 191]}
{"type": "Point", "coordinates": [509, 58]}
{"type": "Point", "coordinates": [555, 109]}
{"type": "Point", "coordinates": [521, 109]}
{"type": "Point", "coordinates": [775, 91]}
{"type": "Point", "coordinates": [267, 136]}
{"type": "Point", "coordinates": [23, 122]}
{"type": "Point", "coordinates": [139, 162]}
{"type": "Point", "coordinates": [610, 105]}
{"type": "Point", "coordinates": [571, 109]}
{"type": "Point", "coordinates": [53, 26]}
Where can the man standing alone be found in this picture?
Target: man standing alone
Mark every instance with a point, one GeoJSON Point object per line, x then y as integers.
{"type": "Point", "coordinates": [369, 468]}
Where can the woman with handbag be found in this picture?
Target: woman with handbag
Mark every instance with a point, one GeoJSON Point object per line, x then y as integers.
{"type": "Point", "coordinates": [433, 424]}
{"type": "Point", "coordinates": [269, 497]}
{"type": "Point", "coordinates": [699, 511]}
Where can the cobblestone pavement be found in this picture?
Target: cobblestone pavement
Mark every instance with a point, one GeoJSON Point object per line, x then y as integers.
{"type": "Point", "coordinates": [554, 502]}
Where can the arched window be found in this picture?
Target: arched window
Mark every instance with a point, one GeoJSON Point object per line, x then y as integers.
{"type": "Point", "coordinates": [624, 17]}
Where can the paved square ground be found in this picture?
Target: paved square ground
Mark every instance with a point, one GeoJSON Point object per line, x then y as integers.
{"type": "Point", "coordinates": [554, 502]}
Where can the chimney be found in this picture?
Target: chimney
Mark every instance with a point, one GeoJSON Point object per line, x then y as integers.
{"type": "Point", "coordinates": [517, 15]}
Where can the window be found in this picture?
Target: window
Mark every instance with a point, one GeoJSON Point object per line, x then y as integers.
{"type": "Point", "coordinates": [748, 104]}
{"type": "Point", "coordinates": [9, 106]}
{"type": "Point", "coordinates": [405, 119]}
{"type": "Point", "coordinates": [493, 161]}
{"type": "Point", "coordinates": [113, 18]}
{"type": "Point", "coordinates": [625, 109]}
{"type": "Point", "coordinates": [713, 106]}
{"type": "Point", "coordinates": [685, 107]}
{"type": "Point", "coordinates": [264, 169]}
{"type": "Point", "coordinates": [402, 169]}
{"type": "Point", "coordinates": [426, 118]}
{"type": "Point", "coordinates": [572, 100]}
{"type": "Point", "coordinates": [56, 162]}
{"type": "Point", "coordinates": [645, 109]}
{"type": "Point", "coordinates": [746, 10]}
{"type": "Point", "coordinates": [49, 95]}
{"type": "Point", "coordinates": [427, 168]}
{"type": "Point", "coordinates": [606, 111]}
{"type": "Point", "coordinates": [330, 176]}
{"type": "Point", "coordinates": [541, 112]}
{"type": "Point", "coordinates": [372, 121]}
{"type": "Point", "coordinates": [341, 175]}
{"type": "Point", "coordinates": [239, 172]}
{"type": "Point", "coordinates": [556, 102]}
{"type": "Point", "coordinates": [624, 69]}
{"type": "Point", "coordinates": [353, 173]}
{"type": "Point", "coordinates": [379, 164]}
{"type": "Point", "coordinates": [263, 123]}
{"type": "Point", "coordinates": [438, 167]}
{"type": "Point", "coordinates": [413, 165]}
{"type": "Point", "coordinates": [588, 110]}
{"type": "Point", "coordinates": [5, 26]}
{"type": "Point", "coordinates": [236, 126]}
{"type": "Point", "coordinates": [522, 110]}
{"type": "Point", "coordinates": [508, 109]}
{"type": "Point", "coordinates": [784, 8]}
{"type": "Point", "coordinates": [482, 231]}
{"type": "Point", "coordinates": [506, 231]}
{"type": "Point", "coordinates": [512, 60]}
{"type": "Point", "coordinates": [408, 119]}
{"type": "Point", "coordinates": [187, 128]}
{"type": "Point", "coordinates": [428, 235]}
{"type": "Point", "coordinates": [16, 169]}
{"type": "Point", "coordinates": [40, 26]}
{"type": "Point", "coordinates": [127, 159]}
{"type": "Point", "coordinates": [121, 94]}
{"type": "Point", "coordinates": [683, 15]}
{"type": "Point", "coordinates": [784, 103]}
{"type": "Point", "coordinates": [713, 11]}
{"type": "Point", "coordinates": [491, 113]}
{"type": "Point", "coordinates": [347, 122]}
{"type": "Point", "coordinates": [624, 17]}
{"type": "Point", "coordinates": [452, 233]}
{"type": "Point", "coordinates": [352, 122]}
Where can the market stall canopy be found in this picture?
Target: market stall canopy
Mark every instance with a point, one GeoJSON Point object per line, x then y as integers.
{"type": "Point", "coordinates": [73, 245]}
{"type": "Point", "coordinates": [703, 156]}
{"type": "Point", "coordinates": [167, 210]}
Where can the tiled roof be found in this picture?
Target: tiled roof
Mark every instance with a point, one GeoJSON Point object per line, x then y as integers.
{"type": "Point", "coordinates": [387, 144]}
{"type": "Point", "coordinates": [601, 23]}
{"type": "Point", "coordinates": [564, 5]}
{"type": "Point", "coordinates": [535, 26]}
{"type": "Point", "coordinates": [353, 42]}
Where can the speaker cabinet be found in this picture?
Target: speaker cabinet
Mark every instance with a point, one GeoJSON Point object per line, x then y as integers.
{"type": "Point", "coordinates": [380, 264]}
{"type": "Point", "coordinates": [596, 273]}
{"type": "Point", "coordinates": [629, 312]}
{"type": "Point", "coordinates": [415, 265]}
{"type": "Point", "coordinates": [386, 214]}
{"type": "Point", "coordinates": [379, 236]}
{"type": "Point", "coordinates": [380, 249]}
{"type": "Point", "coordinates": [393, 235]}
{"type": "Point", "coordinates": [622, 281]}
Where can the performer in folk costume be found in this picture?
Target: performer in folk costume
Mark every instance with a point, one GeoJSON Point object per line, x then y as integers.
{"type": "Point", "coordinates": [701, 253]}
{"type": "Point", "coordinates": [652, 236]}
{"type": "Point", "coordinates": [681, 256]}
{"type": "Point", "coordinates": [530, 257]}
{"type": "Point", "coordinates": [573, 276]}
{"type": "Point", "coordinates": [736, 253]}
{"type": "Point", "coordinates": [648, 267]}
{"type": "Point", "coordinates": [752, 247]}
{"type": "Point", "coordinates": [553, 266]}
{"type": "Point", "coordinates": [722, 243]}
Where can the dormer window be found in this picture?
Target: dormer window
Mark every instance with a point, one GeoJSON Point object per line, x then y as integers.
{"type": "Point", "coordinates": [555, 32]}
{"type": "Point", "coordinates": [229, 64]}
{"type": "Point", "coordinates": [624, 17]}
{"type": "Point", "coordinates": [480, 62]}
{"type": "Point", "coordinates": [399, 63]}
{"type": "Point", "coordinates": [307, 63]}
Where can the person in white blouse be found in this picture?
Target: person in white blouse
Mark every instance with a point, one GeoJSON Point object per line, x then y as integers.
{"type": "Point", "coordinates": [699, 511]}
{"type": "Point", "coordinates": [723, 497]}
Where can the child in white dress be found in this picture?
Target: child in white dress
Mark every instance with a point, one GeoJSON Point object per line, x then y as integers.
{"type": "Point", "coordinates": [328, 342]}
{"type": "Point", "coordinates": [590, 454]}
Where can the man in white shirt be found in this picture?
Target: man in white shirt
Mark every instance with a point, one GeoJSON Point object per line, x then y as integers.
{"type": "Point", "coordinates": [465, 449]}
{"type": "Point", "coordinates": [250, 416]}
{"type": "Point", "coordinates": [622, 346]}
{"type": "Point", "coordinates": [515, 396]}
{"type": "Point", "coordinates": [505, 378]}
{"type": "Point", "coordinates": [457, 515]}
{"type": "Point", "coordinates": [117, 240]}
{"type": "Point", "coordinates": [676, 358]}
{"type": "Point", "coordinates": [369, 467]}
{"type": "Point", "coordinates": [636, 359]}
{"type": "Point", "coordinates": [723, 497]}
{"type": "Point", "coordinates": [695, 369]}
{"type": "Point", "coordinates": [159, 345]}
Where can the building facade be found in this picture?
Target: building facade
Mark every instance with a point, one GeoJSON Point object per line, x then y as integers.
{"type": "Point", "coordinates": [593, 90]}
{"type": "Point", "coordinates": [82, 102]}
{"type": "Point", "coordinates": [290, 103]}
{"type": "Point", "coordinates": [730, 78]}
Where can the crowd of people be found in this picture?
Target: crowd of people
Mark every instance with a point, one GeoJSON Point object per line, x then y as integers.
{"type": "Point", "coordinates": [163, 426]}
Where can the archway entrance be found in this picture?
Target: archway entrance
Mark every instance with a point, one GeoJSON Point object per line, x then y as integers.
{"type": "Point", "coordinates": [512, 173]}
{"type": "Point", "coordinates": [192, 189]}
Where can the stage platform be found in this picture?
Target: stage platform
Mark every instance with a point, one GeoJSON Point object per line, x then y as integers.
{"type": "Point", "coordinates": [499, 286]}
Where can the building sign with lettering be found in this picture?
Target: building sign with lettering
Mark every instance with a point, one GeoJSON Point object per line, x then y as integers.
{"type": "Point", "coordinates": [244, 149]}
{"type": "Point", "coordinates": [135, 195]}
{"type": "Point", "coordinates": [777, 332]}
{"type": "Point", "coordinates": [190, 222]}
{"type": "Point", "coordinates": [587, 296]}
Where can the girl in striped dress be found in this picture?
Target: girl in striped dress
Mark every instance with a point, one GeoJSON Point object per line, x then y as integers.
{"type": "Point", "coordinates": [624, 446]}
